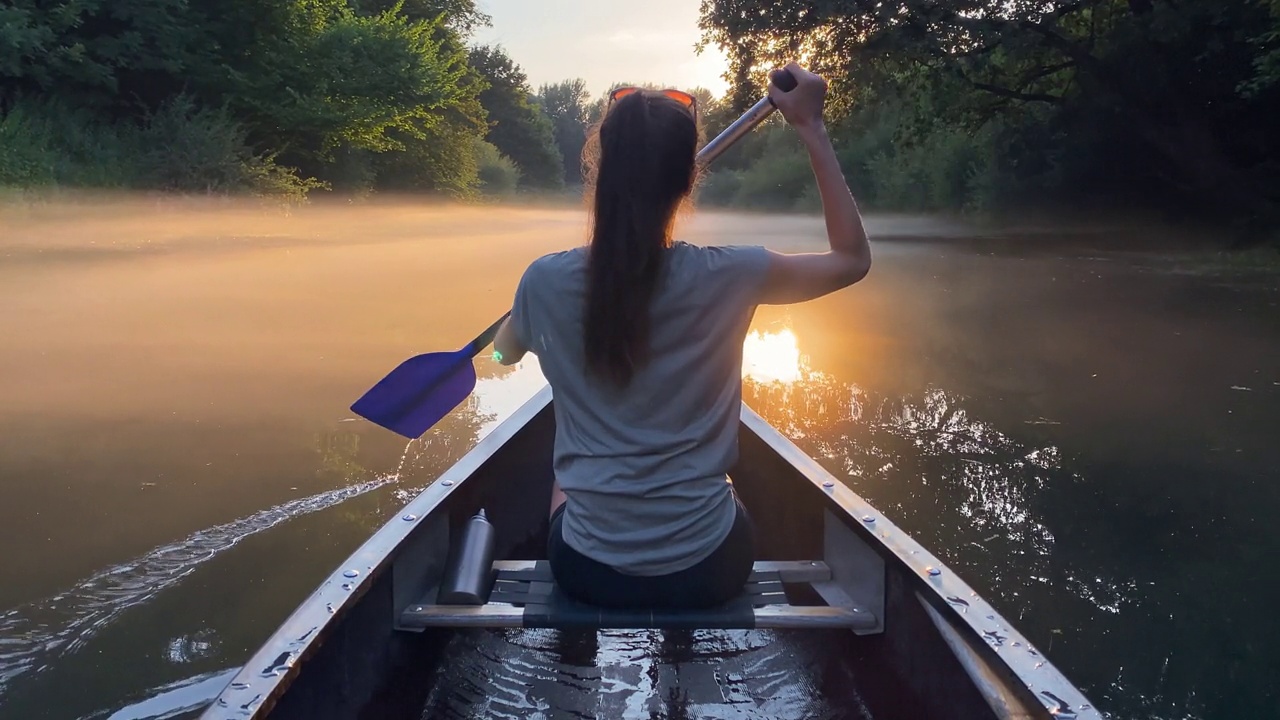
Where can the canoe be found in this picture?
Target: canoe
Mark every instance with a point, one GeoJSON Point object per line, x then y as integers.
{"type": "Point", "coordinates": [926, 644]}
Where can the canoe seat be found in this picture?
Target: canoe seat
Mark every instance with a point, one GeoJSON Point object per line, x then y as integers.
{"type": "Point", "coordinates": [525, 595]}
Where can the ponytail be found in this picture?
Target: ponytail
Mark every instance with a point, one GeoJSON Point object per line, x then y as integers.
{"type": "Point", "coordinates": [645, 168]}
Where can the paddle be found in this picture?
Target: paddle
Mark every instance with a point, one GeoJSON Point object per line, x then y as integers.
{"type": "Point", "coordinates": [425, 388]}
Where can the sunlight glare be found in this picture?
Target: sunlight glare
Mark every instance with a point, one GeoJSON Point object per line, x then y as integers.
{"type": "Point", "coordinates": [771, 357]}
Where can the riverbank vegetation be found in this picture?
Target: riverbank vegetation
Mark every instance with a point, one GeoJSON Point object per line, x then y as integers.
{"type": "Point", "coordinates": [1070, 106]}
{"type": "Point", "coordinates": [1076, 109]}
{"type": "Point", "coordinates": [281, 99]}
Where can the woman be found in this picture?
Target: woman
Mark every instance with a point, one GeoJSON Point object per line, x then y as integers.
{"type": "Point", "coordinates": [641, 340]}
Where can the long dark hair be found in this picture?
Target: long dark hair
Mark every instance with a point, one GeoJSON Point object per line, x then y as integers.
{"type": "Point", "coordinates": [641, 165]}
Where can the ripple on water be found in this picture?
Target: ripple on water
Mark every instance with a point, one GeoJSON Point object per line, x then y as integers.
{"type": "Point", "coordinates": [643, 674]}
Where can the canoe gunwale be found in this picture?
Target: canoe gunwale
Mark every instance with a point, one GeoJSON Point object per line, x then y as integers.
{"type": "Point", "coordinates": [935, 583]}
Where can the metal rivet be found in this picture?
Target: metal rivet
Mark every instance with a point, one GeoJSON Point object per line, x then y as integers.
{"type": "Point", "coordinates": [418, 609]}
{"type": "Point", "coordinates": [828, 484]}
{"type": "Point", "coordinates": [329, 607]}
{"type": "Point", "coordinates": [346, 586]}
{"type": "Point", "coordinates": [868, 519]}
{"type": "Point", "coordinates": [239, 686]}
{"type": "Point", "coordinates": [446, 483]}
{"type": "Point", "coordinates": [1039, 665]}
{"type": "Point", "coordinates": [410, 517]}
{"type": "Point", "coordinates": [351, 573]}
{"type": "Point", "coordinates": [935, 572]}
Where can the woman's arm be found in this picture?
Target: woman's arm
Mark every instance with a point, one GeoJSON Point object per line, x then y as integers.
{"type": "Point", "coordinates": [799, 277]}
{"type": "Point", "coordinates": [507, 348]}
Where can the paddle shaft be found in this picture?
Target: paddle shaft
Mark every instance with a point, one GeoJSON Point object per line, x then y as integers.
{"type": "Point", "coordinates": [736, 131]}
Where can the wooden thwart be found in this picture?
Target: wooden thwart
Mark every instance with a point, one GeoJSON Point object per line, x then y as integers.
{"type": "Point", "coordinates": [523, 597]}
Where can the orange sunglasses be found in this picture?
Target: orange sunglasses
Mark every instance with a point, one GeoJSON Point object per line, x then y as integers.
{"type": "Point", "coordinates": [679, 96]}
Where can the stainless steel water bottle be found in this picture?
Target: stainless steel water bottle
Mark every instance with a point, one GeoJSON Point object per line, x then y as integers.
{"type": "Point", "coordinates": [469, 578]}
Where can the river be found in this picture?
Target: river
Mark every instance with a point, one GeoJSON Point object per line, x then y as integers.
{"type": "Point", "coordinates": [1087, 435]}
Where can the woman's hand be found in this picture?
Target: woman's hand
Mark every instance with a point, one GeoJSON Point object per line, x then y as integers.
{"type": "Point", "coordinates": [802, 105]}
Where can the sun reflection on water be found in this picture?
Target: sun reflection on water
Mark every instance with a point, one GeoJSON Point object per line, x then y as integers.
{"type": "Point", "coordinates": [772, 357]}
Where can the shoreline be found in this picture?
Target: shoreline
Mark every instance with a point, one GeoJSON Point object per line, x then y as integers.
{"type": "Point", "coordinates": [30, 214]}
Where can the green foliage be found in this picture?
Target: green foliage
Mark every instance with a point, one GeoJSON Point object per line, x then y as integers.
{"type": "Point", "coordinates": [25, 156]}
{"type": "Point", "coordinates": [499, 176]}
{"type": "Point", "coordinates": [460, 15]}
{"type": "Point", "coordinates": [363, 81]}
{"type": "Point", "coordinates": [567, 104]}
{"type": "Point", "coordinates": [719, 187]}
{"type": "Point", "coordinates": [1114, 104]}
{"type": "Point", "coordinates": [96, 52]}
{"type": "Point", "coordinates": [517, 126]}
{"type": "Point", "coordinates": [184, 148]}
{"type": "Point", "coordinates": [1266, 64]}
{"type": "Point", "coordinates": [179, 147]}
{"type": "Point", "coordinates": [778, 178]}
{"type": "Point", "coordinates": [233, 93]}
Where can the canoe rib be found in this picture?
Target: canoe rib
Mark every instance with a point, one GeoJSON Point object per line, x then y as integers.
{"type": "Point", "coordinates": [525, 596]}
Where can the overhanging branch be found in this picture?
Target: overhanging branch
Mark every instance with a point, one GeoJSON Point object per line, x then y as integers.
{"type": "Point", "coordinates": [1015, 94]}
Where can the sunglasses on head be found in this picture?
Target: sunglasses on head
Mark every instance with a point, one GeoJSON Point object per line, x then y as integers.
{"type": "Point", "coordinates": [679, 96]}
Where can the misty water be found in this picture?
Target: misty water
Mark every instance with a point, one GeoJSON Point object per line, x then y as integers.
{"type": "Point", "coordinates": [1087, 435]}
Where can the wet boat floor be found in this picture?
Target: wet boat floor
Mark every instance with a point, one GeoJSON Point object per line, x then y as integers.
{"type": "Point", "coordinates": [647, 674]}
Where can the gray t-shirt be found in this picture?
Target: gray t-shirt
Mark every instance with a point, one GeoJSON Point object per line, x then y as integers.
{"type": "Point", "coordinates": [644, 467]}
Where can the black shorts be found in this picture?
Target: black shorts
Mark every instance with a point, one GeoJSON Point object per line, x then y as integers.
{"type": "Point", "coordinates": [715, 580]}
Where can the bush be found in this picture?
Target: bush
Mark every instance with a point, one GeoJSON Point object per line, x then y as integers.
{"type": "Point", "coordinates": [47, 143]}
{"type": "Point", "coordinates": [498, 174]}
{"type": "Point", "coordinates": [719, 187]}
{"type": "Point", "coordinates": [25, 158]}
{"type": "Point", "coordinates": [179, 147]}
{"type": "Point", "coordinates": [778, 178]}
{"type": "Point", "coordinates": [186, 148]}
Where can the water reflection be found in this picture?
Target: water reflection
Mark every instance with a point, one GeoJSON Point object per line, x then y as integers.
{"type": "Point", "coordinates": [173, 699]}
{"type": "Point", "coordinates": [502, 392]}
{"type": "Point", "coordinates": [962, 486]}
{"type": "Point", "coordinates": [674, 675]}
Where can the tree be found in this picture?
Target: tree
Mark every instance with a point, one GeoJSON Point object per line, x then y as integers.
{"type": "Point", "coordinates": [95, 51]}
{"type": "Point", "coordinates": [567, 103]}
{"type": "Point", "coordinates": [517, 127]}
{"type": "Point", "coordinates": [460, 15]}
{"type": "Point", "coordinates": [318, 84]}
{"type": "Point", "coordinates": [1141, 98]}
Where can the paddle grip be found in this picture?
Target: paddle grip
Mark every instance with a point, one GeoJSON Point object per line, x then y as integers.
{"type": "Point", "coordinates": [783, 79]}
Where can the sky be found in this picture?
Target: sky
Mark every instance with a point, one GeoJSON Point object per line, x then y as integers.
{"type": "Point", "coordinates": [604, 42]}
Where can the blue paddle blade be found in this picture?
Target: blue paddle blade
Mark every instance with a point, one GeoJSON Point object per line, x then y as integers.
{"type": "Point", "coordinates": [418, 393]}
